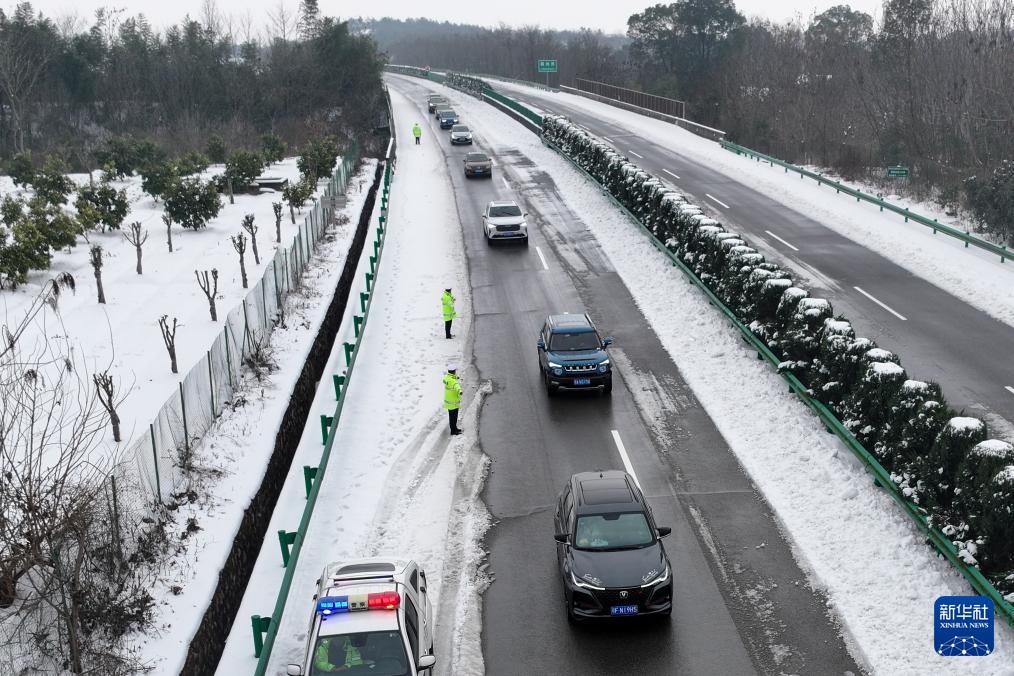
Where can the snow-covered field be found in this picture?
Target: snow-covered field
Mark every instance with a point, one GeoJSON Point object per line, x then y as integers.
{"type": "Point", "coordinates": [880, 578]}
{"type": "Point", "coordinates": [972, 275]}
{"type": "Point", "coordinates": [396, 484]}
{"type": "Point", "coordinates": [235, 452]}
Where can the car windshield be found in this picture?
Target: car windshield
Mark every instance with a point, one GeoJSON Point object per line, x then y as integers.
{"type": "Point", "coordinates": [446, 113]}
{"type": "Point", "coordinates": [613, 531]}
{"type": "Point", "coordinates": [476, 157]}
{"type": "Point", "coordinates": [378, 653]}
{"type": "Point", "coordinates": [459, 127]}
{"type": "Point", "coordinates": [570, 342]}
{"type": "Point", "coordinates": [504, 211]}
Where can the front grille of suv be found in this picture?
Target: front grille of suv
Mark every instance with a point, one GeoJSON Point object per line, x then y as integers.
{"type": "Point", "coordinates": [508, 228]}
{"type": "Point", "coordinates": [581, 368]}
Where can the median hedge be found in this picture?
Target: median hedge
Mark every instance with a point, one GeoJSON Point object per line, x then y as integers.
{"type": "Point", "coordinates": [942, 462]}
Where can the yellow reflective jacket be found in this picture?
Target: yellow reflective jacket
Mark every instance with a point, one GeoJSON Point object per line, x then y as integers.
{"type": "Point", "coordinates": [452, 392]}
{"type": "Point", "coordinates": [448, 300]}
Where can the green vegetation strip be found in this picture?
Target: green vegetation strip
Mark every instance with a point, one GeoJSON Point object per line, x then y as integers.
{"type": "Point", "coordinates": [1002, 251]}
{"type": "Point", "coordinates": [265, 629]}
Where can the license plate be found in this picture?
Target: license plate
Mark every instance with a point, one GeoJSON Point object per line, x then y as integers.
{"type": "Point", "coordinates": [623, 610]}
{"type": "Point", "coordinates": [587, 381]}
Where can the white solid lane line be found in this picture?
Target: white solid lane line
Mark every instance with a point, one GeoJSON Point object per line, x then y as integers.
{"type": "Point", "coordinates": [626, 458]}
{"type": "Point", "coordinates": [1009, 389]}
{"type": "Point", "coordinates": [505, 183]}
{"type": "Point", "coordinates": [542, 258]}
{"type": "Point", "coordinates": [634, 154]}
{"type": "Point", "coordinates": [671, 174]}
{"type": "Point", "coordinates": [896, 314]}
{"type": "Point", "coordinates": [781, 240]}
{"type": "Point", "coordinates": [607, 139]}
{"type": "Point", "coordinates": [715, 199]}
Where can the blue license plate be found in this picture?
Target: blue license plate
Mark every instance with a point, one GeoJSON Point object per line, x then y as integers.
{"type": "Point", "coordinates": [587, 381]}
{"type": "Point", "coordinates": [623, 610]}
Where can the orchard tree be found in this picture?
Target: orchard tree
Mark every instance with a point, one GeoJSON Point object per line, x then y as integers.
{"type": "Point", "coordinates": [216, 150]}
{"type": "Point", "coordinates": [318, 158]}
{"type": "Point", "coordinates": [191, 163]}
{"type": "Point", "coordinates": [137, 237]}
{"type": "Point", "coordinates": [192, 202]}
{"type": "Point", "coordinates": [101, 205]}
{"type": "Point", "coordinates": [273, 148]}
{"type": "Point", "coordinates": [240, 170]}
{"type": "Point", "coordinates": [52, 183]}
{"type": "Point", "coordinates": [157, 178]}
{"type": "Point", "coordinates": [21, 170]}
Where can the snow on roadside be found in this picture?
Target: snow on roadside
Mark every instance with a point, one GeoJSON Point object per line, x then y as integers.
{"type": "Point", "coordinates": [972, 275]}
{"type": "Point", "coordinates": [850, 538]}
{"type": "Point", "coordinates": [235, 452]}
{"type": "Point", "coordinates": [396, 484]}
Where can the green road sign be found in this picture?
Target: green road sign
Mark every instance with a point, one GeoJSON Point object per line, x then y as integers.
{"type": "Point", "coordinates": [547, 65]}
{"type": "Point", "coordinates": [897, 172]}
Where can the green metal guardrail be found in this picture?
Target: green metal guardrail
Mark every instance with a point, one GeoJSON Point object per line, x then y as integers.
{"type": "Point", "coordinates": [881, 476]}
{"type": "Point", "coordinates": [963, 235]}
{"type": "Point", "coordinates": [265, 628]}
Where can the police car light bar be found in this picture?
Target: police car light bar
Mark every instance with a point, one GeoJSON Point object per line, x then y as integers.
{"type": "Point", "coordinates": [332, 605]}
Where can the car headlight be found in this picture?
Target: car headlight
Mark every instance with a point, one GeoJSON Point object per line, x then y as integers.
{"type": "Point", "coordinates": [554, 365]}
{"type": "Point", "coordinates": [659, 579]}
{"type": "Point", "coordinates": [604, 366]}
{"type": "Point", "coordinates": [582, 583]}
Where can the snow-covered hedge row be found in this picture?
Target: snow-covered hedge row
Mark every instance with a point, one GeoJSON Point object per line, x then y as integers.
{"type": "Point", "coordinates": [409, 70]}
{"type": "Point", "coordinates": [467, 83]}
{"type": "Point", "coordinates": [942, 462]}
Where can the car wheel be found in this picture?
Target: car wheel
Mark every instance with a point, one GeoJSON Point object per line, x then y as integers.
{"type": "Point", "coordinates": [526, 241]}
{"type": "Point", "coordinates": [550, 388]}
{"type": "Point", "coordinates": [573, 619]}
{"type": "Point", "coordinates": [607, 389]}
{"type": "Point", "coordinates": [489, 240]}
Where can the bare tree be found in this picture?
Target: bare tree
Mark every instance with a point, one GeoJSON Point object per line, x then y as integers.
{"type": "Point", "coordinates": [106, 390]}
{"type": "Point", "coordinates": [24, 57]}
{"type": "Point", "coordinates": [239, 244]}
{"type": "Point", "coordinates": [248, 225]}
{"type": "Point", "coordinates": [96, 260]}
{"type": "Point", "coordinates": [137, 238]}
{"type": "Point", "coordinates": [169, 338]}
{"type": "Point", "coordinates": [168, 230]}
{"type": "Point", "coordinates": [282, 22]}
{"type": "Point", "coordinates": [277, 206]}
{"type": "Point", "coordinates": [210, 289]}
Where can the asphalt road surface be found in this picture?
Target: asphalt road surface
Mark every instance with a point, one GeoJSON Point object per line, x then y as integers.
{"type": "Point", "coordinates": [938, 336]}
{"type": "Point", "coordinates": [742, 605]}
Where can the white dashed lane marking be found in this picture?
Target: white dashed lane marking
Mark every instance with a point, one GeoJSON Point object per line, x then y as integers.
{"type": "Point", "coordinates": [883, 305]}
{"type": "Point", "coordinates": [781, 240]}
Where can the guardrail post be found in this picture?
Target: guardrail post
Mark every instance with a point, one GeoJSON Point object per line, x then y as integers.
{"type": "Point", "coordinates": [339, 382]}
{"type": "Point", "coordinates": [357, 324]}
{"type": "Point", "coordinates": [373, 264]}
{"type": "Point", "coordinates": [376, 248]}
{"type": "Point", "coordinates": [260, 627]}
{"type": "Point", "coordinates": [369, 276]}
{"type": "Point", "coordinates": [325, 423]}
{"type": "Point", "coordinates": [363, 297]}
{"type": "Point", "coordinates": [349, 349]}
{"type": "Point", "coordinates": [906, 214]}
{"type": "Point", "coordinates": [309, 474]}
{"type": "Point", "coordinates": [285, 539]}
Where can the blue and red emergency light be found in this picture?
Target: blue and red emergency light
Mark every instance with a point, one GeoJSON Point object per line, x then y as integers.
{"type": "Point", "coordinates": [332, 605]}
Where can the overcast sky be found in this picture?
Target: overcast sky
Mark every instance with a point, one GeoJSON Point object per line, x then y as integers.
{"type": "Point", "coordinates": [608, 15]}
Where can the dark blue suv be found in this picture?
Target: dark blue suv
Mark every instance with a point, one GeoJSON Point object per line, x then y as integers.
{"type": "Point", "coordinates": [573, 356]}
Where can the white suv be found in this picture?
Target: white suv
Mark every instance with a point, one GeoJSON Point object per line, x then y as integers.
{"type": "Point", "coordinates": [504, 220]}
{"type": "Point", "coordinates": [370, 616]}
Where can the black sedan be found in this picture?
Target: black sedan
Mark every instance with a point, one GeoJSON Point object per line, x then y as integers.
{"type": "Point", "coordinates": [609, 550]}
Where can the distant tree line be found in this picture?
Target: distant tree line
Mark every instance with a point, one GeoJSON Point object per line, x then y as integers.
{"type": "Point", "coordinates": [927, 84]}
{"type": "Point", "coordinates": [69, 89]}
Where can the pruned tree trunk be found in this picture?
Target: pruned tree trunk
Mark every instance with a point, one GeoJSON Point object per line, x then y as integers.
{"type": "Point", "coordinates": [107, 397]}
{"type": "Point", "coordinates": [169, 338]}
{"type": "Point", "coordinates": [277, 206]}
{"type": "Point", "coordinates": [96, 260]}
{"type": "Point", "coordinates": [292, 213]}
{"type": "Point", "coordinates": [168, 230]}
{"type": "Point", "coordinates": [251, 229]}
{"type": "Point", "coordinates": [135, 237]}
{"type": "Point", "coordinates": [239, 244]}
{"type": "Point", "coordinates": [232, 200]}
{"type": "Point", "coordinates": [210, 289]}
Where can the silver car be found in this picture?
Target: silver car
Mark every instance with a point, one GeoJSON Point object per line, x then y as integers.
{"type": "Point", "coordinates": [460, 134]}
{"type": "Point", "coordinates": [504, 220]}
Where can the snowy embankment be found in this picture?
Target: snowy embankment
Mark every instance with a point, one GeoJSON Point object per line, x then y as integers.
{"type": "Point", "coordinates": [396, 483]}
{"type": "Point", "coordinates": [850, 538]}
{"type": "Point", "coordinates": [972, 275]}
{"type": "Point", "coordinates": [235, 452]}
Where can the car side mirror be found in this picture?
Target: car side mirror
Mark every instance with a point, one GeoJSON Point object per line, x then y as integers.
{"type": "Point", "coordinates": [541, 344]}
{"type": "Point", "coordinates": [663, 531]}
{"type": "Point", "coordinates": [562, 538]}
{"type": "Point", "coordinates": [606, 342]}
{"type": "Point", "coordinates": [526, 214]}
{"type": "Point", "coordinates": [427, 661]}
{"type": "Point", "coordinates": [294, 670]}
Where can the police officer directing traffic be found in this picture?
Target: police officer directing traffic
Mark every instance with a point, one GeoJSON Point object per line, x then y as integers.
{"type": "Point", "coordinates": [448, 302]}
{"type": "Point", "coordinates": [417, 132]}
{"type": "Point", "coordinates": [452, 397]}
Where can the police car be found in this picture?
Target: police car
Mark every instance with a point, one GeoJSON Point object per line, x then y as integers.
{"type": "Point", "coordinates": [371, 616]}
